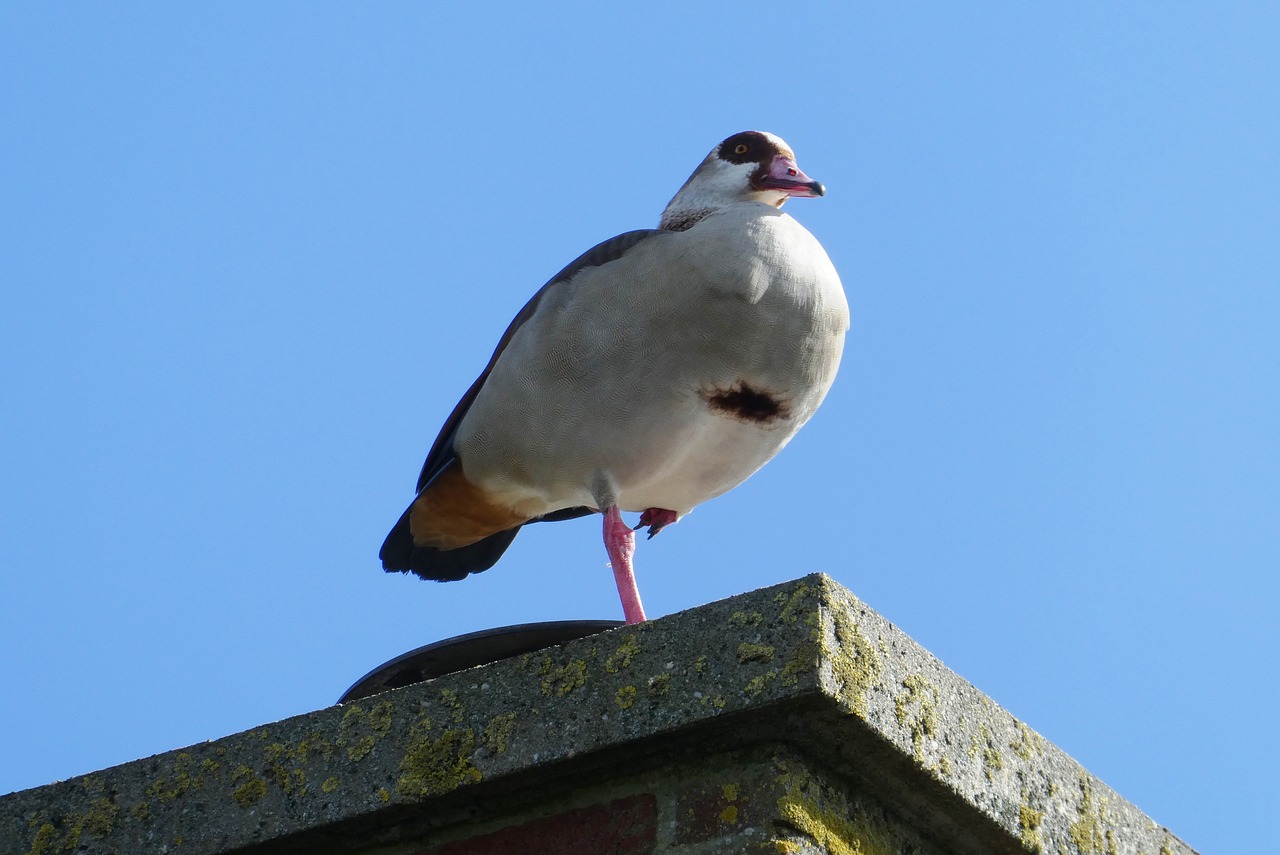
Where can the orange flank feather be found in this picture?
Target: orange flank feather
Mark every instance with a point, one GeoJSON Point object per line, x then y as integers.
{"type": "Point", "coordinates": [453, 512]}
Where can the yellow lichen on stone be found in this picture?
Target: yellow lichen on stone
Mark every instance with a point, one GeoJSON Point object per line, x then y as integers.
{"type": "Point", "coordinates": [384, 794]}
{"type": "Point", "coordinates": [622, 656]}
{"type": "Point", "coordinates": [756, 685]}
{"type": "Point", "coordinates": [745, 619]}
{"type": "Point", "coordinates": [359, 731]}
{"type": "Point", "coordinates": [755, 653]}
{"type": "Point", "coordinates": [855, 664]}
{"type": "Point", "coordinates": [729, 814]}
{"type": "Point", "coordinates": [282, 770]}
{"type": "Point", "coordinates": [1029, 820]}
{"type": "Point", "coordinates": [563, 679]}
{"type": "Point", "coordinates": [1088, 832]}
{"type": "Point", "coordinates": [923, 725]}
{"type": "Point", "coordinates": [67, 835]}
{"type": "Point", "coordinates": [328, 785]}
{"type": "Point", "coordinates": [625, 697]}
{"type": "Point", "coordinates": [659, 685]}
{"type": "Point", "coordinates": [803, 660]}
{"type": "Point", "coordinates": [166, 788]}
{"type": "Point", "coordinates": [45, 840]}
{"type": "Point", "coordinates": [439, 764]}
{"type": "Point", "coordinates": [250, 788]}
{"type": "Point", "coordinates": [449, 698]}
{"type": "Point", "coordinates": [497, 732]}
{"type": "Point", "coordinates": [380, 717]}
{"type": "Point", "coordinates": [827, 819]}
{"type": "Point", "coordinates": [792, 603]}
{"type": "Point", "coordinates": [834, 832]}
{"type": "Point", "coordinates": [1027, 744]}
{"type": "Point", "coordinates": [992, 759]}
{"type": "Point", "coordinates": [100, 818]}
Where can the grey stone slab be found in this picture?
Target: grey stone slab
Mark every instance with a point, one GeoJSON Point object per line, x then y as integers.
{"type": "Point", "coordinates": [804, 664]}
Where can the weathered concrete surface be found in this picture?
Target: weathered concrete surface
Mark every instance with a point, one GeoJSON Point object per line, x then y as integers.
{"type": "Point", "coordinates": [802, 677]}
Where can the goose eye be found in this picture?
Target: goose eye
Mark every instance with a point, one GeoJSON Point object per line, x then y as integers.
{"type": "Point", "coordinates": [740, 148]}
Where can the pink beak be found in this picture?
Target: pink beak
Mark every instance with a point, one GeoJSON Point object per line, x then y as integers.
{"type": "Point", "coordinates": [784, 175]}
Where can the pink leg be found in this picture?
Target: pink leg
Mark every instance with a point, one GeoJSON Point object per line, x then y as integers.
{"type": "Point", "coordinates": [620, 543]}
{"type": "Point", "coordinates": [656, 519]}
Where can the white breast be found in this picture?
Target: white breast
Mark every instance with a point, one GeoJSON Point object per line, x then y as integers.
{"type": "Point", "coordinates": [631, 372]}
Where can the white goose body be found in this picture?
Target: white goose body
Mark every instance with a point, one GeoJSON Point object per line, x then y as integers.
{"type": "Point", "coordinates": [633, 375]}
{"type": "Point", "coordinates": [658, 370]}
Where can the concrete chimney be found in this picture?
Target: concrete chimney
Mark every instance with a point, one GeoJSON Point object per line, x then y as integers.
{"type": "Point", "coordinates": [793, 720]}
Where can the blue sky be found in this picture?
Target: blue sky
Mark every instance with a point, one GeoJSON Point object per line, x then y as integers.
{"type": "Point", "coordinates": [252, 254]}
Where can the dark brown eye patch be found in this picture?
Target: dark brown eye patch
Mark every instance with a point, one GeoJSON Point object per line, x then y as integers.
{"type": "Point", "coordinates": [747, 147]}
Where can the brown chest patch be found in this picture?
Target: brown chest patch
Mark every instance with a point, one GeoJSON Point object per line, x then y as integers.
{"type": "Point", "coordinates": [747, 403]}
{"type": "Point", "coordinates": [453, 512]}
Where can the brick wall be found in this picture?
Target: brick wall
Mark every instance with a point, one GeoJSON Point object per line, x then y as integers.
{"type": "Point", "coordinates": [770, 800]}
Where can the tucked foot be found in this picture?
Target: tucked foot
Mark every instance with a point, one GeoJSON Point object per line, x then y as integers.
{"type": "Point", "coordinates": [656, 519]}
{"type": "Point", "coordinates": [620, 543]}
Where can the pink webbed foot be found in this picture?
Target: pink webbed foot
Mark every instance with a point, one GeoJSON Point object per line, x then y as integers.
{"type": "Point", "coordinates": [620, 543]}
{"type": "Point", "coordinates": [656, 519]}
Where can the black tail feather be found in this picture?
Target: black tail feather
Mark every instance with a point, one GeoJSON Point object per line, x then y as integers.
{"type": "Point", "coordinates": [400, 554]}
